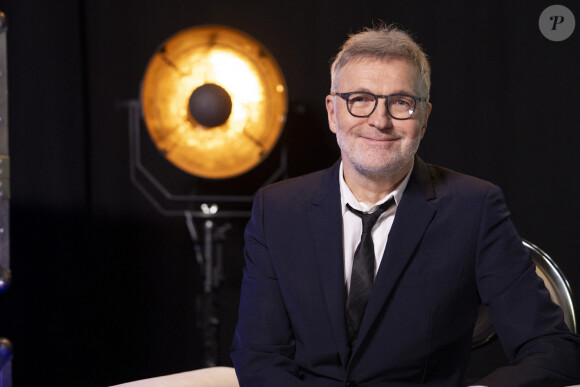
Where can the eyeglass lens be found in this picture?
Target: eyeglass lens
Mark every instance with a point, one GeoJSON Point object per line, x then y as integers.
{"type": "Point", "coordinates": [398, 106]}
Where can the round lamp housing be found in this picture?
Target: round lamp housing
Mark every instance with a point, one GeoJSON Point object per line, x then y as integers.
{"type": "Point", "coordinates": [214, 101]}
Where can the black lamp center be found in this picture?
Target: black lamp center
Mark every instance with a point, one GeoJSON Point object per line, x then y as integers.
{"type": "Point", "coordinates": [210, 105]}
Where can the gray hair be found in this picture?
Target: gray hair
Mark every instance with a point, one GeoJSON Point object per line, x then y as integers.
{"type": "Point", "coordinates": [382, 42]}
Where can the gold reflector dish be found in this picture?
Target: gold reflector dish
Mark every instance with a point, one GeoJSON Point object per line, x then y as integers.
{"type": "Point", "coordinates": [214, 101]}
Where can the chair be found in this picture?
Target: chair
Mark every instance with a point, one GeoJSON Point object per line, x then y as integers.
{"type": "Point", "coordinates": [205, 377]}
{"type": "Point", "coordinates": [555, 282]}
{"type": "Point", "coordinates": [487, 353]}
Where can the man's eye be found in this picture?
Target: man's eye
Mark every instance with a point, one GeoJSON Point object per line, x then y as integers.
{"type": "Point", "coordinates": [361, 98]}
{"type": "Point", "coordinates": [403, 103]}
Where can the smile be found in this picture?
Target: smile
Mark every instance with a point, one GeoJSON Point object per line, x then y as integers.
{"type": "Point", "coordinates": [380, 140]}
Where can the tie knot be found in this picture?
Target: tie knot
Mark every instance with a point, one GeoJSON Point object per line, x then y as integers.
{"type": "Point", "coordinates": [369, 219]}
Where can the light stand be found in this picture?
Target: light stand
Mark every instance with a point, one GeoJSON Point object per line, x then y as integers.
{"type": "Point", "coordinates": [211, 261]}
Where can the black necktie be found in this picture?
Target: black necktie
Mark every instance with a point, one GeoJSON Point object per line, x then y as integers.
{"type": "Point", "coordinates": [363, 270]}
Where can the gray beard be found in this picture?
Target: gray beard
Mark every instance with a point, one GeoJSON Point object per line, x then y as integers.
{"type": "Point", "coordinates": [364, 165]}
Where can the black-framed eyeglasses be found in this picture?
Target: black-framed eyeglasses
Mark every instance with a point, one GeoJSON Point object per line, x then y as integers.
{"type": "Point", "coordinates": [362, 104]}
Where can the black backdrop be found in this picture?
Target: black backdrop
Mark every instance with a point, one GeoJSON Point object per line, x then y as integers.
{"type": "Point", "coordinates": [104, 287]}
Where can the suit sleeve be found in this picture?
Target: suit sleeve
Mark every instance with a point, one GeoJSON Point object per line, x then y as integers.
{"type": "Point", "coordinates": [263, 345]}
{"type": "Point", "coordinates": [541, 349]}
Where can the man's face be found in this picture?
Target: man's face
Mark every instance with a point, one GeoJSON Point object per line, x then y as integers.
{"type": "Point", "coordinates": [378, 145]}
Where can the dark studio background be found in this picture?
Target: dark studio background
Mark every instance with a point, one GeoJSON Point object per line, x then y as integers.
{"type": "Point", "coordinates": [104, 287]}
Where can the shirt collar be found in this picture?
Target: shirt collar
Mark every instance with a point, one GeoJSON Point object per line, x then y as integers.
{"type": "Point", "coordinates": [346, 195]}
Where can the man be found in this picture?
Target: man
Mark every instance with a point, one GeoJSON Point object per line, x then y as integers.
{"type": "Point", "coordinates": [310, 315]}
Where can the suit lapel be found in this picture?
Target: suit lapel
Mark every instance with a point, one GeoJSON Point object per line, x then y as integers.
{"type": "Point", "coordinates": [414, 214]}
{"type": "Point", "coordinates": [325, 218]}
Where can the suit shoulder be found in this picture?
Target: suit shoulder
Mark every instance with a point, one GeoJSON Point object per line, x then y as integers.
{"type": "Point", "coordinates": [439, 173]}
{"type": "Point", "coordinates": [445, 178]}
{"type": "Point", "coordinates": [297, 187]}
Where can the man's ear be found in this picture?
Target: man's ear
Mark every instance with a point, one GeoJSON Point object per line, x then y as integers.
{"type": "Point", "coordinates": [330, 111]}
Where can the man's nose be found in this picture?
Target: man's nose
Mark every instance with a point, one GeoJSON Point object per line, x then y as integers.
{"type": "Point", "coordinates": [380, 118]}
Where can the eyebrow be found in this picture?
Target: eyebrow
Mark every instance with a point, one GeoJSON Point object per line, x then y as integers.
{"type": "Point", "coordinates": [398, 91]}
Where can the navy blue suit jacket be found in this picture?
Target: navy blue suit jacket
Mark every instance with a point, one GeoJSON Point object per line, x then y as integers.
{"type": "Point", "coordinates": [452, 246]}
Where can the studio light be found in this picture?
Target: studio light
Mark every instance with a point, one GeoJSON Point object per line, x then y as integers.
{"type": "Point", "coordinates": [214, 101]}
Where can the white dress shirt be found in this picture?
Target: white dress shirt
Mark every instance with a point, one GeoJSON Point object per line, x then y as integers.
{"type": "Point", "coordinates": [352, 224]}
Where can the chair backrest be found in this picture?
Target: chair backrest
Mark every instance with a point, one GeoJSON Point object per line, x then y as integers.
{"type": "Point", "coordinates": [557, 285]}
